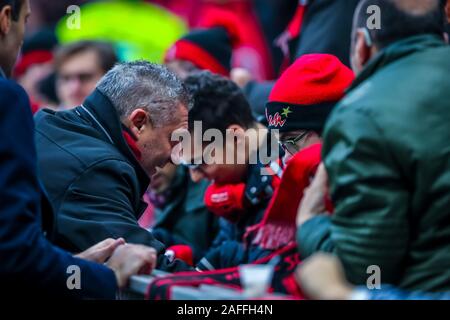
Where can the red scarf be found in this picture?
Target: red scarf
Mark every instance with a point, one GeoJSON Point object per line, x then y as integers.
{"type": "Point", "coordinates": [278, 226]}
{"type": "Point", "coordinates": [131, 142]}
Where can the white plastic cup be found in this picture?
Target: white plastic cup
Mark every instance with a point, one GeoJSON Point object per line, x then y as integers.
{"type": "Point", "coordinates": [256, 279]}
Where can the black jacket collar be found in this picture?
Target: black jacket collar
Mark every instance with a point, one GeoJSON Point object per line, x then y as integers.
{"type": "Point", "coordinates": [102, 109]}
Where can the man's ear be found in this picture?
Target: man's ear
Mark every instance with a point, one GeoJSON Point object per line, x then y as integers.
{"type": "Point", "coordinates": [362, 49]}
{"type": "Point", "coordinates": [5, 19]}
{"type": "Point", "coordinates": [138, 120]}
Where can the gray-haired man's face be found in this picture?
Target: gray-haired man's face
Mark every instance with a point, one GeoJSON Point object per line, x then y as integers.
{"type": "Point", "coordinates": [154, 141]}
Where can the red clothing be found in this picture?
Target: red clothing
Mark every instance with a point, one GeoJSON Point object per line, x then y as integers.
{"type": "Point", "coordinates": [253, 54]}
{"type": "Point", "coordinates": [278, 226]}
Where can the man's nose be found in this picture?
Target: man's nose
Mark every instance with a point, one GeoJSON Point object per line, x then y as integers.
{"type": "Point", "coordinates": [196, 175]}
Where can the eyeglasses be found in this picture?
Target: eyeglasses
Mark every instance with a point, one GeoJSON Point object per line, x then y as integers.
{"type": "Point", "coordinates": [291, 145]}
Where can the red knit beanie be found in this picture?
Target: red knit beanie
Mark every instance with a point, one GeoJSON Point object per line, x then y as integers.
{"type": "Point", "coordinates": [306, 92]}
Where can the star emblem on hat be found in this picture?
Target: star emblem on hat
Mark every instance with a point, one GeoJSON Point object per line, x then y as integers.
{"type": "Point", "coordinates": [286, 112]}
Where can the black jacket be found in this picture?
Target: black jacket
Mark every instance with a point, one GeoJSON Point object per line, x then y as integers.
{"type": "Point", "coordinates": [94, 181]}
{"type": "Point", "coordinates": [30, 265]}
{"type": "Point", "coordinates": [184, 219]}
{"type": "Point", "coordinates": [326, 28]}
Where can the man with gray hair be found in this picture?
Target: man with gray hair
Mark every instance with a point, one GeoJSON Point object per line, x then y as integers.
{"type": "Point", "coordinates": [95, 160]}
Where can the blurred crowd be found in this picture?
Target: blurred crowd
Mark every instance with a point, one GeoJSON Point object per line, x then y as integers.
{"type": "Point", "coordinates": [352, 204]}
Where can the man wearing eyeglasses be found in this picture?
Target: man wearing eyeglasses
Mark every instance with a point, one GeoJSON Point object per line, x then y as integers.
{"type": "Point", "coordinates": [302, 99]}
{"type": "Point", "coordinates": [295, 141]}
{"type": "Point", "coordinates": [239, 192]}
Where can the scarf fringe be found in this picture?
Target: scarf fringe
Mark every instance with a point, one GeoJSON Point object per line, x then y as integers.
{"type": "Point", "coordinates": [274, 236]}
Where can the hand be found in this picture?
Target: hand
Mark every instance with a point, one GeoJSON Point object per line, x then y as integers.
{"type": "Point", "coordinates": [131, 259]}
{"type": "Point", "coordinates": [101, 251]}
{"type": "Point", "coordinates": [313, 201]}
{"type": "Point", "coordinates": [240, 76]}
{"type": "Point", "coordinates": [322, 278]}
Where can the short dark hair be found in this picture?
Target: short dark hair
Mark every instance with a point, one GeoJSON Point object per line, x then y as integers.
{"type": "Point", "coordinates": [398, 22]}
{"type": "Point", "coordinates": [16, 6]}
{"type": "Point", "coordinates": [218, 102]}
{"type": "Point", "coordinates": [104, 50]}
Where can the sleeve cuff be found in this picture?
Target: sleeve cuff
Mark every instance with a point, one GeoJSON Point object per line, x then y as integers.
{"type": "Point", "coordinates": [314, 236]}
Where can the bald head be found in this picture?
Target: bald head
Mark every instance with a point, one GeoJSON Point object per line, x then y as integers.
{"type": "Point", "coordinates": [402, 19]}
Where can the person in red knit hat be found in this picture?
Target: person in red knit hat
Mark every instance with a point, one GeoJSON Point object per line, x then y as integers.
{"type": "Point", "coordinates": [209, 47]}
{"type": "Point", "coordinates": [298, 107]}
{"type": "Point", "coordinates": [302, 99]}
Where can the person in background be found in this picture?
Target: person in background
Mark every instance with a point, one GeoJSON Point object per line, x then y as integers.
{"type": "Point", "coordinates": [79, 66]}
{"type": "Point", "coordinates": [261, 21]}
{"type": "Point", "coordinates": [181, 216]}
{"type": "Point", "coordinates": [318, 26]}
{"type": "Point", "coordinates": [35, 64]}
{"type": "Point", "coordinates": [322, 277]}
{"type": "Point", "coordinates": [30, 264]}
{"type": "Point", "coordinates": [209, 47]}
{"type": "Point", "coordinates": [386, 154]}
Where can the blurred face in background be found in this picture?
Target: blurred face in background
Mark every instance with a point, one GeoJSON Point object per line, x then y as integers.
{"type": "Point", "coordinates": [33, 75]}
{"type": "Point", "coordinates": [182, 68]}
{"type": "Point", "coordinates": [163, 178]}
{"type": "Point", "coordinates": [77, 77]}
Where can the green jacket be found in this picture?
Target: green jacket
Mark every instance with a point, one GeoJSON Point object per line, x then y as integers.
{"type": "Point", "coordinates": [387, 153]}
